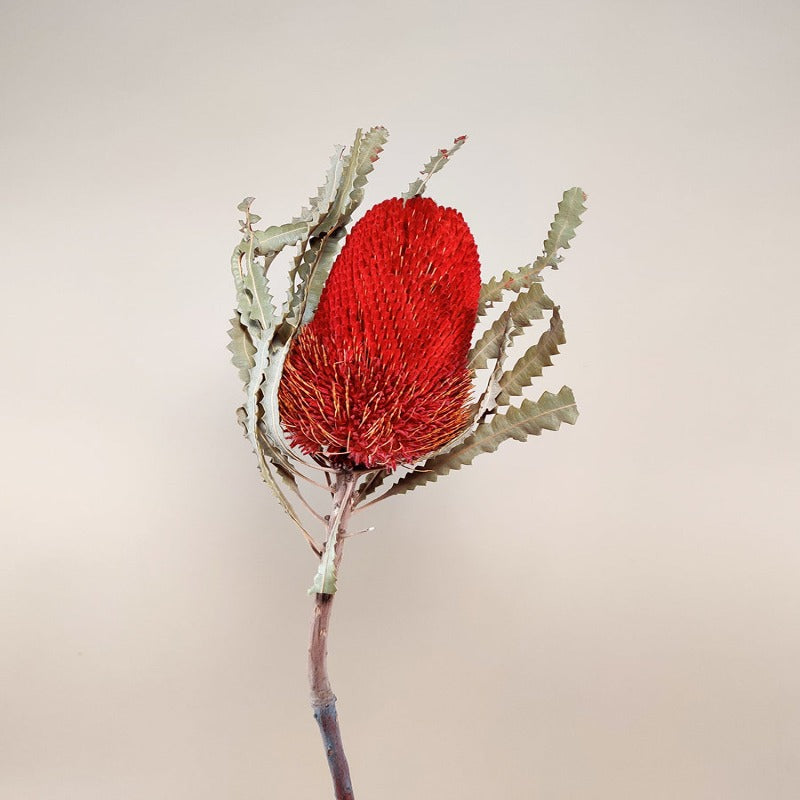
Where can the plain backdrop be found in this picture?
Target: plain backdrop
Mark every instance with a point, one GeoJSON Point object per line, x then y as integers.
{"type": "Point", "coordinates": [607, 612]}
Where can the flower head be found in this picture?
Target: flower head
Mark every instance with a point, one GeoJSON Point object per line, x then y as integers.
{"type": "Point", "coordinates": [379, 377]}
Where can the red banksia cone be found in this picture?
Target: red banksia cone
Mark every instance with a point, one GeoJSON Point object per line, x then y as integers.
{"type": "Point", "coordinates": [379, 377]}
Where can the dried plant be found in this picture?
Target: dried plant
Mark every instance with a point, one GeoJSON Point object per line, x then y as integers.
{"type": "Point", "coordinates": [365, 377]}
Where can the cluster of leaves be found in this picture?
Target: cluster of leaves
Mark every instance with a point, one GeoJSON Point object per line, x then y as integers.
{"type": "Point", "coordinates": [261, 335]}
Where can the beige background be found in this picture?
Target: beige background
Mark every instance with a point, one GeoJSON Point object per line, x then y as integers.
{"type": "Point", "coordinates": [605, 613]}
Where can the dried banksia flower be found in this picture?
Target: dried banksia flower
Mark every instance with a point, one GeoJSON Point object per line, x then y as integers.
{"type": "Point", "coordinates": [370, 365]}
{"type": "Point", "coordinates": [379, 377]}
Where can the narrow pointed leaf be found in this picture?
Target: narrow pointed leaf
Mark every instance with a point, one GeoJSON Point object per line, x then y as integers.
{"type": "Point", "coordinates": [268, 409]}
{"type": "Point", "coordinates": [254, 301]}
{"type": "Point", "coordinates": [320, 204]}
{"type": "Point", "coordinates": [241, 347]}
{"type": "Point", "coordinates": [530, 305]}
{"type": "Point", "coordinates": [276, 237]}
{"type": "Point", "coordinates": [325, 579]}
{"type": "Point", "coordinates": [533, 361]}
{"type": "Point", "coordinates": [253, 391]}
{"type": "Point", "coordinates": [488, 400]}
{"type": "Point", "coordinates": [261, 308]}
{"type": "Point", "coordinates": [530, 419]}
{"type": "Point", "coordinates": [282, 499]}
{"type": "Point", "coordinates": [511, 281]}
{"type": "Point", "coordinates": [360, 162]}
{"type": "Point", "coordinates": [436, 162]}
{"type": "Point", "coordinates": [487, 403]}
{"type": "Point", "coordinates": [321, 258]}
{"type": "Point", "coordinates": [369, 151]}
{"type": "Point", "coordinates": [313, 266]}
{"type": "Point", "coordinates": [562, 231]}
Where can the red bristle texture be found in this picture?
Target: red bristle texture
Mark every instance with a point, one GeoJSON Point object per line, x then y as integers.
{"type": "Point", "coordinates": [379, 377]}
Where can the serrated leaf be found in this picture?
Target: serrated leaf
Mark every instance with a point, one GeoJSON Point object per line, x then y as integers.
{"type": "Point", "coordinates": [488, 400]}
{"type": "Point", "coordinates": [437, 161]}
{"type": "Point", "coordinates": [511, 281]}
{"type": "Point", "coordinates": [530, 305]}
{"type": "Point", "coordinates": [255, 379]}
{"type": "Point", "coordinates": [241, 347]}
{"type": "Point", "coordinates": [487, 403]}
{"type": "Point", "coordinates": [323, 254]}
{"type": "Point", "coordinates": [254, 301]}
{"type": "Point", "coordinates": [261, 308]}
{"type": "Point", "coordinates": [276, 237]}
{"type": "Point", "coordinates": [249, 417]}
{"type": "Point", "coordinates": [369, 151]}
{"type": "Point", "coordinates": [359, 162]}
{"type": "Point", "coordinates": [562, 231]}
{"type": "Point", "coordinates": [319, 205]}
{"type": "Point", "coordinates": [530, 419]}
{"type": "Point", "coordinates": [244, 206]}
{"type": "Point", "coordinates": [243, 301]}
{"type": "Point", "coordinates": [313, 267]}
{"type": "Point", "coordinates": [533, 361]}
{"type": "Point", "coordinates": [269, 412]}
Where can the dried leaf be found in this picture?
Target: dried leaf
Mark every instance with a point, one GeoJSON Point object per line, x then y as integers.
{"type": "Point", "coordinates": [528, 306]}
{"type": "Point", "coordinates": [268, 409]}
{"type": "Point", "coordinates": [261, 359]}
{"type": "Point", "coordinates": [436, 162]}
{"type": "Point", "coordinates": [313, 266]}
{"type": "Point", "coordinates": [370, 148]}
{"type": "Point", "coordinates": [562, 231]}
{"type": "Point", "coordinates": [325, 579]}
{"type": "Point", "coordinates": [321, 256]}
{"type": "Point", "coordinates": [254, 301]}
{"type": "Point", "coordinates": [511, 281]}
{"type": "Point", "coordinates": [283, 500]}
{"type": "Point", "coordinates": [320, 204]}
{"type": "Point", "coordinates": [242, 348]}
{"type": "Point", "coordinates": [533, 361]}
{"type": "Point", "coordinates": [530, 419]}
{"type": "Point", "coordinates": [276, 237]}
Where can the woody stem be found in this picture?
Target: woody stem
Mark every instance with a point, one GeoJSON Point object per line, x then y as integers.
{"type": "Point", "coordinates": [323, 700]}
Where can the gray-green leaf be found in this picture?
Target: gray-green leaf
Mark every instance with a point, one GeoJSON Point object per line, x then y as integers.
{"type": "Point", "coordinates": [530, 305]}
{"type": "Point", "coordinates": [313, 266]}
{"type": "Point", "coordinates": [242, 348]}
{"type": "Point", "coordinates": [533, 361]}
{"type": "Point", "coordinates": [436, 162]}
{"type": "Point", "coordinates": [562, 231]}
{"type": "Point", "coordinates": [530, 419]}
{"type": "Point", "coordinates": [276, 237]}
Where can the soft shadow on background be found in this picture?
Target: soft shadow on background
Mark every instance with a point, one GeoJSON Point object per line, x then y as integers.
{"type": "Point", "coordinates": [606, 612]}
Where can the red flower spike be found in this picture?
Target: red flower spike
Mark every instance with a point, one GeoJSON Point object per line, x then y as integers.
{"type": "Point", "coordinates": [379, 376]}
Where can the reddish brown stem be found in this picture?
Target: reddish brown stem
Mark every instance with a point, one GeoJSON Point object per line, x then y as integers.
{"type": "Point", "coordinates": [323, 700]}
